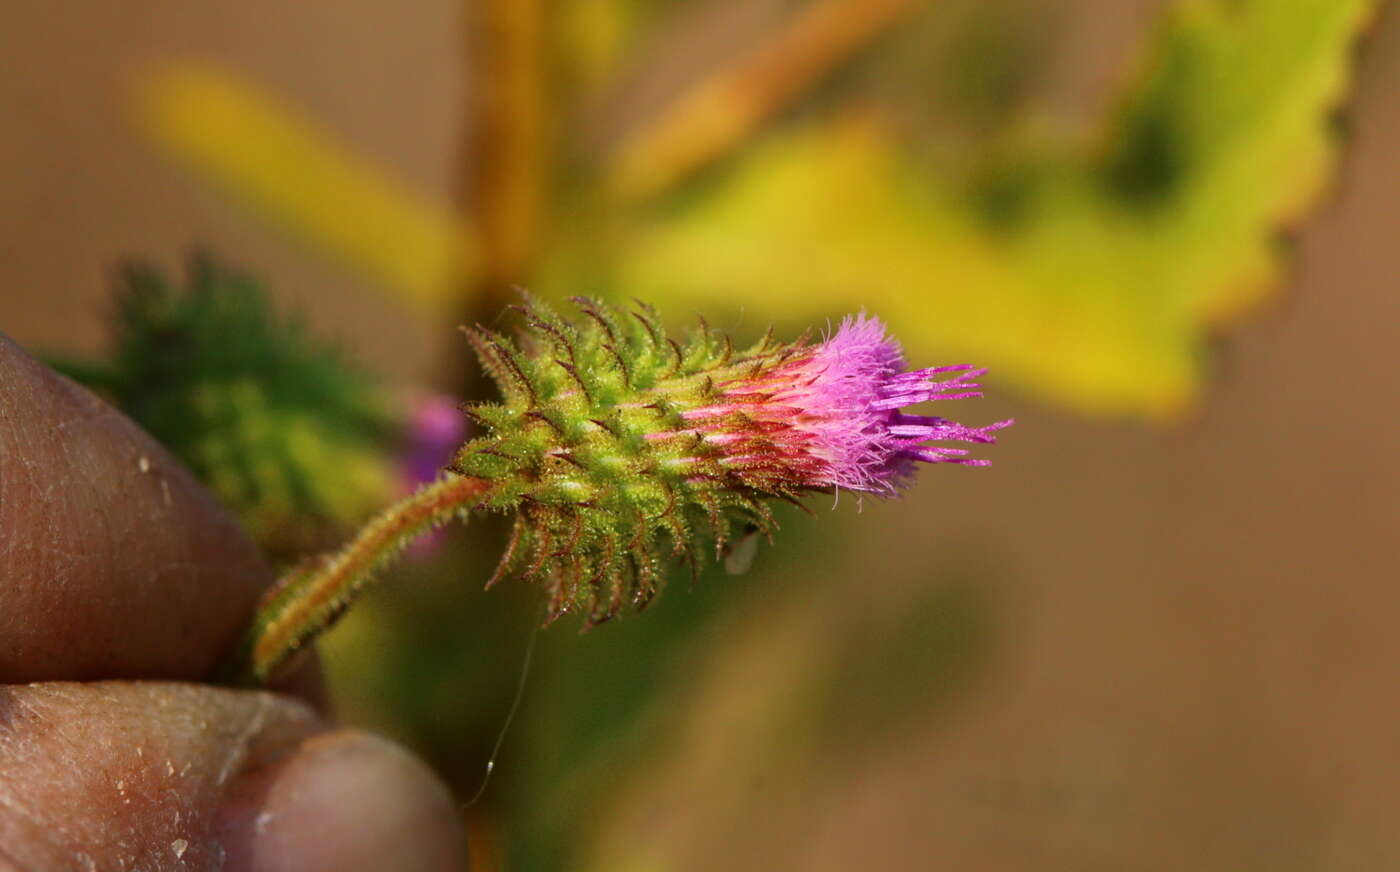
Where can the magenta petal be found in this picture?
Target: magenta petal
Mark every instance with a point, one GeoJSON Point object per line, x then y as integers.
{"type": "Point", "coordinates": [839, 407]}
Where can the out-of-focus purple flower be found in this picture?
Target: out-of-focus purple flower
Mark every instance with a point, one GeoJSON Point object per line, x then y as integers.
{"type": "Point", "coordinates": [436, 429]}
{"type": "Point", "coordinates": [832, 416]}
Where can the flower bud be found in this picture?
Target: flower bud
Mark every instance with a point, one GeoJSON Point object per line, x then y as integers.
{"type": "Point", "coordinates": [616, 445]}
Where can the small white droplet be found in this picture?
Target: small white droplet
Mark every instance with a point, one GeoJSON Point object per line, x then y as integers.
{"type": "Point", "coordinates": [144, 464]}
{"type": "Point", "coordinates": [178, 848]}
{"type": "Point", "coordinates": [739, 558]}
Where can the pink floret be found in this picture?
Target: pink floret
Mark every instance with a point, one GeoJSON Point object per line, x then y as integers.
{"type": "Point", "coordinates": [850, 391]}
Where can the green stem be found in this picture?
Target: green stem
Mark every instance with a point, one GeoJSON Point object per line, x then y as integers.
{"type": "Point", "coordinates": [309, 599]}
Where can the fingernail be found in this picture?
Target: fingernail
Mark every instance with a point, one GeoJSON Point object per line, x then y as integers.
{"type": "Point", "coordinates": [345, 801]}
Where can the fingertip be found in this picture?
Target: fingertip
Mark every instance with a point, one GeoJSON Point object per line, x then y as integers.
{"type": "Point", "coordinates": [344, 800]}
{"type": "Point", "coordinates": [114, 561]}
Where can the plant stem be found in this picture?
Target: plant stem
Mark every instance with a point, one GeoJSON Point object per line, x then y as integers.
{"type": "Point", "coordinates": [720, 111]}
{"type": "Point", "coordinates": [309, 598]}
{"type": "Point", "coordinates": [506, 158]}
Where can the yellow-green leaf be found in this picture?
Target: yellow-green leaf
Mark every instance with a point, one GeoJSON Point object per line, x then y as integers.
{"type": "Point", "coordinates": [284, 168]}
{"type": "Point", "coordinates": [1089, 277]}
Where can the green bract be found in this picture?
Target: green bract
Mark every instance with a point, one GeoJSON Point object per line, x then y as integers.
{"type": "Point", "coordinates": [590, 448]}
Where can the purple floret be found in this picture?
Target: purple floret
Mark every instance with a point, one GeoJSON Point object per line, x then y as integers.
{"type": "Point", "coordinates": [850, 392]}
{"type": "Point", "coordinates": [436, 429]}
{"type": "Point", "coordinates": [831, 416]}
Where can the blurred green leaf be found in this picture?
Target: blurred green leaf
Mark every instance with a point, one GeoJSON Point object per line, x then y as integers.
{"type": "Point", "coordinates": [294, 174]}
{"type": "Point", "coordinates": [1089, 276]}
{"type": "Point", "coordinates": [289, 434]}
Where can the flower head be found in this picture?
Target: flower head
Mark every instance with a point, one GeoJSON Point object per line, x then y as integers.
{"type": "Point", "coordinates": [831, 416]}
{"type": "Point", "coordinates": [614, 443]}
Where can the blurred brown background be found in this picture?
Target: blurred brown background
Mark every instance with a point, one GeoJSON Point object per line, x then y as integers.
{"type": "Point", "coordinates": [1186, 647]}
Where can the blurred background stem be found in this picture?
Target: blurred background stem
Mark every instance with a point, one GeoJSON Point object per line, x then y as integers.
{"type": "Point", "coordinates": [504, 164]}
{"type": "Point", "coordinates": [718, 113]}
